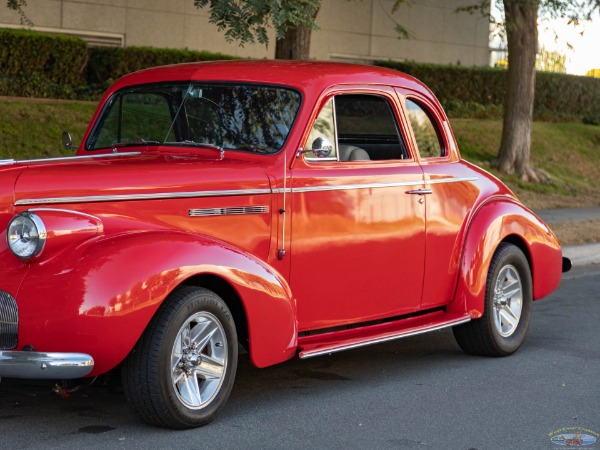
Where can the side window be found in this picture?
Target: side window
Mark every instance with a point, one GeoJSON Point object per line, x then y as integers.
{"type": "Point", "coordinates": [426, 134]}
{"type": "Point", "coordinates": [367, 129]}
{"type": "Point", "coordinates": [324, 127]}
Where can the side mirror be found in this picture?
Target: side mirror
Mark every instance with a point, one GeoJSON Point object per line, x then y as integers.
{"type": "Point", "coordinates": [322, 147]}
{"type": "Point", "coordinates": [67, 140]}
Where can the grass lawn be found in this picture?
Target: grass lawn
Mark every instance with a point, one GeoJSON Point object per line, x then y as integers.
{"type": "Point", "coordinates": [568, 152]}
{"type": "Point", "coordinates": [33, 128]}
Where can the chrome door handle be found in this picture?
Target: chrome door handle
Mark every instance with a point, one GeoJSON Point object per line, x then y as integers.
{"type": "Point", "coordinates": [420, 192]}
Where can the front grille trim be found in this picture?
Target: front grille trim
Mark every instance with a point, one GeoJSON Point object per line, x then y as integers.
{"type": "Point", "coordinates": [9, 321]}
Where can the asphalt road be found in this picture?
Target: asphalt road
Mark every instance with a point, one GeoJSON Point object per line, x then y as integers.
{"type": "Point", "coordinates": [420, 392]}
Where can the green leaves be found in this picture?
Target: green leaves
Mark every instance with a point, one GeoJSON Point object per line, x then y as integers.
{"type": "Point", "coordinates": [249, 21]}
{"type": "Point", "coordinates": [18, 5]}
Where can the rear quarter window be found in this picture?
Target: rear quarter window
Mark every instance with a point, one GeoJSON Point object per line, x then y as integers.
{"type": "Point", "coordinates": [425, 131]}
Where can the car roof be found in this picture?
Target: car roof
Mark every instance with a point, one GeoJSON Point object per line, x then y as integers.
{"type": "Point", "coordinates": [302, 75]}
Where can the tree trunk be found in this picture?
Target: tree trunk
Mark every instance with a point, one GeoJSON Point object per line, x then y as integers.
{"type": "Point", "coordinates": [295, 44]}
{"type": "Point", "coordinates": [522, 37]}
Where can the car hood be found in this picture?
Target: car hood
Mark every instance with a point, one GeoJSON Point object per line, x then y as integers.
{"type": "Point", "coordinates": [134, 176]}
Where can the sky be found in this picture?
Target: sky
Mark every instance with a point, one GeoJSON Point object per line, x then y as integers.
{"type": "Point", "coordinates": [580, 44]}
{"type": "Point", "coordinates": [585, 54]}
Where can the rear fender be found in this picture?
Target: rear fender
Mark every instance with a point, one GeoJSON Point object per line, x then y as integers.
{"type": "Point", "coordinates": [497, 221]}
{"type": "Point", "coordinates": [103, 304]}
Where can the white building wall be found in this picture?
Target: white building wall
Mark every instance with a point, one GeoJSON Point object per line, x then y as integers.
{"type": "Point", "coordinates": [355, 30]}
{"type": "Point", "coordinates": [352, 30]}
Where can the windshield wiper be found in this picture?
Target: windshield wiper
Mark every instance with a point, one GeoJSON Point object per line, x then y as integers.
{"type": "Point", "coordinates": [200, 144]}
{"type": "Point", "coordinates": [139, 142]}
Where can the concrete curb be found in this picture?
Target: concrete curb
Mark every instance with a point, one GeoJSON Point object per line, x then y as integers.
{"type": "Point", "coordinates": [582, 255]}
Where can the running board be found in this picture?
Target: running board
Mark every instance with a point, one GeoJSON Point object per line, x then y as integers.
{"type": "Point", "coordinates": [326, 343]}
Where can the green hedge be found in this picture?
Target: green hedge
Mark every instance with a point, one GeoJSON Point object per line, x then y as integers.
{"type": "Point", "coordinates": [457, 83]}
{"type": "Point", "coordinates": [108, 63]}
{"type": "Point", "coordinates": [34, 85]}
{"type": "Point", "coordinates": [29, 55]}
{"type": "Point", "coordinates": [557, 96]}
{"type": "Point", "coordinates": [42, 65]}
{"type": "Point", "coordinates": [36, 64]}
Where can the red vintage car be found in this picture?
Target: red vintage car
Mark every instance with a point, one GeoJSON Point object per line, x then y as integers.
{"type": "Point", "coordinates": [293, 208]}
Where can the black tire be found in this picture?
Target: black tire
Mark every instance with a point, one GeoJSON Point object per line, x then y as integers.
{"type": "Point", "coordinates": [172, 397]}
{"type": "Point", "coordinates": [495, 334]}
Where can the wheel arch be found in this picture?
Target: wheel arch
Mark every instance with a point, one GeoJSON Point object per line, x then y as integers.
{"type": "Point", "coordinates": [230, 296]}
{"type": "Point", "coordinates": [502, 328]}
{"type": "Point", "coordinates": [504, 220]}
{"type": "Point", "coordinates": [119, 284]}
{"type": "Point", "coordinates": [520, 243]}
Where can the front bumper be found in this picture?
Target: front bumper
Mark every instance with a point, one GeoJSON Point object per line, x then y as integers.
{"type": "Point", "coordinates": [44, 366]}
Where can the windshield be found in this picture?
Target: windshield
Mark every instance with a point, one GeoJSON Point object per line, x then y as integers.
{"type": "Point", "coordinates": [230, 116]}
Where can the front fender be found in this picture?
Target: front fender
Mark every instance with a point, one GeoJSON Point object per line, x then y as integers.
{"type": "Point", "coordinates": [100, 298]}
{"type": "Point", "coordinates": [496, 221]}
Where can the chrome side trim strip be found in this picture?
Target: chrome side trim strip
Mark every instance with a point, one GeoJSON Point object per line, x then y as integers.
{"type": "Point", "coordinates": [69, 158]}
{"type": "Point", "coordinates": [228, 211]}
{"type": "Point", "coordinates": [345, 187]}
{"type": "Point", "coordinates": [128, 197]}
{"type": "Point", "coordinates": [450, 180]}
{"type": "Point", "coordinates": [45, 366]}
{"type": "Point", "coordinates": [229, 193]}
{"type": "Point", "coordinates": [66, 211]}
{"type": "Point", "coordinates": [282, 191]}
{"type": "Point", "coordinates": [400, 335]}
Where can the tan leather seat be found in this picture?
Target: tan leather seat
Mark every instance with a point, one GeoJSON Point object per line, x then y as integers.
{"type": "Point", "coordinates": [352, 153]}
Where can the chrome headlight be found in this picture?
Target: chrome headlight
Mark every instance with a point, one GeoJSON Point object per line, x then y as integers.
{"type": "Point", "coordinates": [26, 235]}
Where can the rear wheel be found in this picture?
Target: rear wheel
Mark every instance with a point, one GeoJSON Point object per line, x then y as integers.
{"type": "Point", "coordinates": [181, 372]}
{"type": "Point", "coordinates": [507, 310]}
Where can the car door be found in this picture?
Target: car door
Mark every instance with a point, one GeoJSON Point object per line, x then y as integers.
{"type": "Point", "coordinates": [453, 193]}
{"type": "Point", "coordinates": [358, 222]}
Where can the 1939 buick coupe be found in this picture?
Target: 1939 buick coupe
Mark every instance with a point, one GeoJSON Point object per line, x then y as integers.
{"type": "Point", "coordinates": [292, 208]}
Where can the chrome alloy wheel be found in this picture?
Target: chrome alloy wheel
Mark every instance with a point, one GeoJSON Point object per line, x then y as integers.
{"type": "Point", "coordinates": [199, 360]}
{"type": "Point", "coordinates": [508, 300]}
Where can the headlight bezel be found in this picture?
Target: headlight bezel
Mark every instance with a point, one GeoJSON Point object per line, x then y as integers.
{"type": "Point", "coordinates": [33, 221]}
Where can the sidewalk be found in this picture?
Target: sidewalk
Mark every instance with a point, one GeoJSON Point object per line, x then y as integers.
{"type": "Point", "coordinates": [579, 255]}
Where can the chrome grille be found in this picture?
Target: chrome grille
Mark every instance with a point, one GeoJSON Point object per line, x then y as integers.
{"type": "Point", "coordinates": [9, 321]}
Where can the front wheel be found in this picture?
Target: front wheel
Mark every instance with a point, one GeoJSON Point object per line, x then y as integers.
{"type": "Point", "coordinates": [507, 310]}
{"type": "Point", "coordinates": [180, 373]}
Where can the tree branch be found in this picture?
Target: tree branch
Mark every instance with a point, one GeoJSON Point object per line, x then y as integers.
{"type": "Point", "coordinates": [18, 5]}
